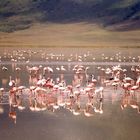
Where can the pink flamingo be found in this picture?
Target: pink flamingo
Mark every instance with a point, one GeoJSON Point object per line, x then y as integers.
{"type": "Point", "coordinates": [12, 83]}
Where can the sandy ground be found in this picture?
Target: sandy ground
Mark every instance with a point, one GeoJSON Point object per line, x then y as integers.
{"type": "Point", "coordinates": [72, 34]}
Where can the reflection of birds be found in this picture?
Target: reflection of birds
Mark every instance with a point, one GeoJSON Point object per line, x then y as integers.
{"type": "Point", "coordinates": [12, 114]}
{"type": "Point", "coordinates": [128, 99]}
{"type": "Point", "coordinates": [1, 110]}
{"type": "Point", "coordinates": [76, 112]}
{"type": "Point", "coordinates": [87, 114]}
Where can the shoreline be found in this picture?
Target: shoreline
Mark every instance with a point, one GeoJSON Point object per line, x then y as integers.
{"type": "Point", "coordinates": [61, 46]}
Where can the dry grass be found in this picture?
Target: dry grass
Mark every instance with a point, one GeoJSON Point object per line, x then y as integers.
{"type": "Point", "coordinates": [72, 34]}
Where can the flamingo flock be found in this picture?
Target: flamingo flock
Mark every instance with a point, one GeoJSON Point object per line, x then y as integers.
{"type": "Point", "coordinates": [47, 55]}
{"type": "Point", "coordinates": [84, 93]}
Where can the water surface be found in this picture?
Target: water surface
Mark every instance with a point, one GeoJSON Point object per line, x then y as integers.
{"type": "Point", "coordinates": [114, 123]}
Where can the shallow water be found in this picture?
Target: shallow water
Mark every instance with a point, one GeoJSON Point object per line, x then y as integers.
{"type": "Point", "coordinates": [114, 124]}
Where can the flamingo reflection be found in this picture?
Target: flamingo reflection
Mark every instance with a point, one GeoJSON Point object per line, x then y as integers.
{"type": "Point", "coordinates": [129, 100]}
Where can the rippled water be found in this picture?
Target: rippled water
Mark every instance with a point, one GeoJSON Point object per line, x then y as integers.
{"type": "Point", "coordinates": [114, 123]}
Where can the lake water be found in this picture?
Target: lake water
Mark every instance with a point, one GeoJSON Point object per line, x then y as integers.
{"type": "Point", "coordinates": [113, 123]}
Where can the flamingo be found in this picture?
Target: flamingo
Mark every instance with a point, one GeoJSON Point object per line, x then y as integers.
{"type": "Point", "coordinates": [50, 70]}
{"type": "Point", "coordinates": [77, 110]}
{"type": "Point", "coordinates": [4, 68]}
{"type": "Point", "coordinates": [33, 70]}
{"type": "Point", "coordinates": [93, 80]}
{"type": "Point", "coordinates": [32, 90]}
{"type": "Point", "coordinates": [62, 68]}
{"type": "Point", "coordinates": [1, 93]}
{"type": "Point", "coordinates": [34, 107]}
{"type": "Point", "coordinates": [21, 88]}
{"type": "Point", "coordinates": [115, 83]}
{"type": "Point", "coordinates": [18, 98]}
{"type": "Point", "coordinates": [133, 89]}
{"type": "Point", "coordinates": [11, 82]}
{"type": "Point", "coordinates": [126, 87]}
{"type": "Point", "coordinates": [101, 96]}
{"type": "Point", "coordinates": [56, 106]}
{"type": "Point", "coordinates": [127, 79]}
{"type": "Point", "coordinates": [18, 69]}
{"type": "Point", "coordinates": [57, 68]}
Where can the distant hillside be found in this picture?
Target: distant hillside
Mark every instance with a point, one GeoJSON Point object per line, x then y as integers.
{"type": "Point", "coordinates": [21, 14]}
